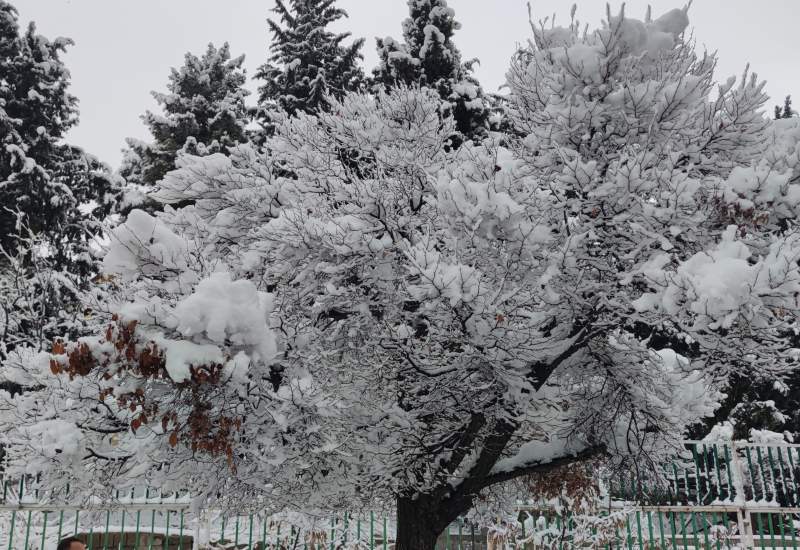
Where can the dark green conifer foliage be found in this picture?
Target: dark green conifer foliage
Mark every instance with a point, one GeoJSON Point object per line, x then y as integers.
{"type": "Point", "coordinates": [52, 194]}
{"type": "Point", "coordinates": [46, 185]}
{"type": "Point", "coordinates": [204, 112]}
{"type": "Point", "coordinates": [428, 57]}
{"type": "Point", "coordinates": [308, 61]}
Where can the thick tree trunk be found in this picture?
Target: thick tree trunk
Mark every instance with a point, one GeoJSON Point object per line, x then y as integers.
{"type": "Point", "coordinates": [419, 524]}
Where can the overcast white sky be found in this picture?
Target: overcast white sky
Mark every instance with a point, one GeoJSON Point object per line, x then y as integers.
{"type": "Point", "coordinates": [125, 48]}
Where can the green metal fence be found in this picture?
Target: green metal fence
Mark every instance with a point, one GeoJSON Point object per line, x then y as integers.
{"type": "Point", "coordinates": [165, 526]}
{"type": "Point", "coordinates": [677, 527]}
{"type": "Point", "coordinates": [709, 473]}
{"type": "Point", "coordinates": [714, 496]}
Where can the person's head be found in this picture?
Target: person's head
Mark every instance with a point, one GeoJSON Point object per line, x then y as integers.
{"type": "Point", "coordinates": [71, 543]}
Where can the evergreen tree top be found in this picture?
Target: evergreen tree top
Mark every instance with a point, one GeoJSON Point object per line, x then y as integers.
{"type": "Point", "coordinates": [204, 110]}
{"type": "Point", "coordinates": [35, 82]}
{"type": "Point", "coordinates": [429, 57]}
{"type": "Point", "coordinates": [428, 54]}
{"type": "Point", "coordinates": [45, 185]}
{"type": "Point", "coordinates": [308, 61]}
{"type": "Point", "coordinates": [213, 77]}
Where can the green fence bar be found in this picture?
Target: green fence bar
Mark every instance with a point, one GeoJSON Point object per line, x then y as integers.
{"type": "Point", "coordinates": [44, 529]}
{"type": "Point", "coordinates": [771, 531]}
{"type": "Point", "coordinates": [236, 533]}
{"type": "Point", "coordinates": [764, 478]}
{"type": "Point", "coordinates": [718, 468]}
{"type": "Point", "coordinates": [60, 523]}
{"type": "Point", "coordinates": [166, 533]}
{"type": "Point", "coordinates": [11, 531]}
{"type": "Point", "coordinates": [794, 476]}
{"type": "Point", "coordinates": [105, 535]}
{"type": "Point", "coordinates": [792, 479]}
{"type": "Point", "coordinates": [750, 470]}
{"type": "Point", "coordinates": [152, 530]}
{"type": "Point", "coordinates": [731, 496]}
{"type": "Point", "coordinates": [688, 490]}
{"type": "Point", "coordinates": [27, 529]}
{"type": "Point", "coordinates": [774, 481]}
{"type": "Point", "coordinates": [696, 460]}
{"type": "Point", "coordinates": [628, 537]}
{"type": "Point", "coordinates": [760, 524]}
{"type": "Point", "coordinates": [639, 529]}
{"type": "Point", "coordinates": [136, 539]}
{"type": "Point", "coordinates": [785, 489]}
{"type": "Point", "coordinates": [180, 534]}
{"type": "Point", "coordinates": [661, 528]}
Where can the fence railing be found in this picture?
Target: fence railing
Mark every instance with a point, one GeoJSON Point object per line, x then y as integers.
{"type": "Point", "coordinates": [715, 496]}
{"type": "Point", "coordinates": [159, 528]}
{"type": "Point", "coordinates": [719, 473]}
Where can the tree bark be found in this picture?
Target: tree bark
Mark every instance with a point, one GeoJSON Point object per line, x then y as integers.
{"type": "Point", "coordinates": [419, 524]}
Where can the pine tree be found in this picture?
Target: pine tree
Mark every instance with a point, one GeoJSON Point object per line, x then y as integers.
{"type": "Point", "coordinates": [308, 61]}
{"type": "Point", "coordinates": [45, 184]}
{"type": "Point", "coordinates": [428, 57]}
{"type": "Point", "coordinates": [784, 111]}
{"type": "Point", "coordinates": [787, 107]}
{"type": "Point", "coordinates": [204, 112]}
{"type": "Point", "coordinates": [51, 193]}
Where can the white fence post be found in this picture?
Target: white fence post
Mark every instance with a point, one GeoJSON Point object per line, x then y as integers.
{"type": "Point", "coordinates": [745, 528]}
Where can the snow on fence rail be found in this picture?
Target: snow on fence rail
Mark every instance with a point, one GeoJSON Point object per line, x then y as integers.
{"type": "Point", "coordinates": [715, 496]}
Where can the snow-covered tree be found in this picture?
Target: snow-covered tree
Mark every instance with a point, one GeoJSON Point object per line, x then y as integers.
{"type": "Point", "coordinates": [43, 181]}
{"type": "Point", "coordinates": [416, 323]}
{"type": "Point", "coordinates": [204, 112]}
{"type": "Point", "coordinates": [308, 62]}
{"type": "Point", "coordinates": [786, 111]}
{"type": "Point", "coordinates": [51, 193]}
{"type": "Point", "coordinates": [768, 193]}
{"type": "Point", "coordinates": [428, 57]}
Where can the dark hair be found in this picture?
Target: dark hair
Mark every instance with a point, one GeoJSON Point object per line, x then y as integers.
{"type": "Point", "coordinates": [67, 543]}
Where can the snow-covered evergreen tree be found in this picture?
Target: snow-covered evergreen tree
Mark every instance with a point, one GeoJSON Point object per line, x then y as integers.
{"type": "Point", "coordinates": [204, 112]}
{"type": "Point", "coordinates": [308, 61]}
{"type": "Point", "coordinates": [786, 111]}
{"type": "Point", "coordinates": [51, 193]}
{"type": "Point", "coordinates": [42, 180]}
{"type": "Point", "coordinates": [428, 57]}
{"type": "Point", "coordinates": [418, 323]}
